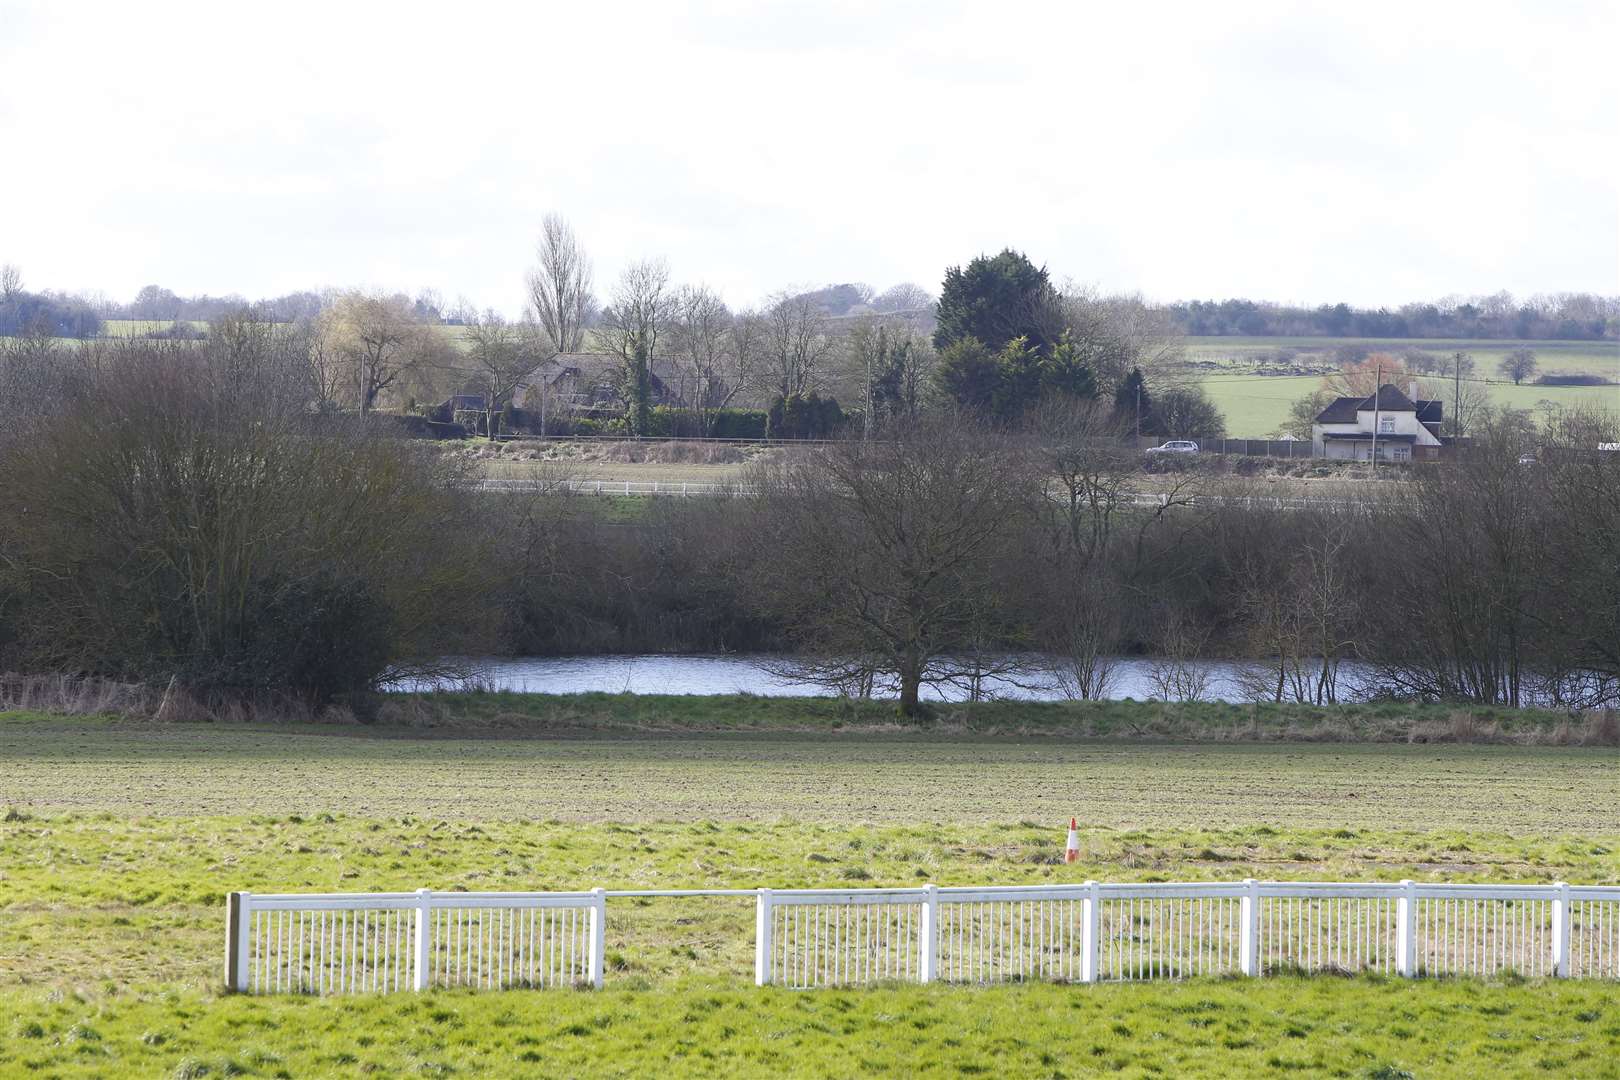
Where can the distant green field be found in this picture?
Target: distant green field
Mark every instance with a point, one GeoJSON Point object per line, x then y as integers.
{"type": "Point", "coordinates": [1257, 405]}
{"type": "Point", "coordinates": [1554, 357]}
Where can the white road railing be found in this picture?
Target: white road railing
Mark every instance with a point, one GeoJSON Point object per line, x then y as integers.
{"type": "Point", "coordinates": [809, 938]}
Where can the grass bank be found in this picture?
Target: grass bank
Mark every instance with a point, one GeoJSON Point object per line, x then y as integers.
{"type": "Point", "coordinates": [1362, 1027]}
{"type": "Point", "coordinates": [564, 714]}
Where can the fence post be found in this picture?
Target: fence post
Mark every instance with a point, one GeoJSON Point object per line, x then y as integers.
{"type": "Point", "coordinates": [424, 928]}
{"type": "Point", "coordinates": [764, 946]}
{"type": "Point", "coordinates": [1090, 923]}
{"type": "Point", "coordinates": [1560, 930]}
{"type": "Point", "coordinates": [598, 934]}
{"type": "Point", "coordinates": [237, 906]}
{"type": "Point", "coordinates": [928, 930]}
{"type": "Point", "coordinates": [1249, 934]}
{"type": "Point", "coordinates": [1406, 930]}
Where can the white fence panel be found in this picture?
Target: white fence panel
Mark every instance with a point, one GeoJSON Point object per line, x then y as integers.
{"type": "Point", "coordinates": [807, 939]}
{"type": "Point", "coordinates": [386, 942]}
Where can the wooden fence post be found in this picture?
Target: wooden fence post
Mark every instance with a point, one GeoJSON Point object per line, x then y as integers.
{"type": "Point", "coordinates": [1090, 924]}
{"type": "Point", "coordinates": [764, 946]}
{"type": "Point", "coordinates": [422, 938]}
{"type": "Point", "coordinates": [1249, 931]}
{"type": "Point", "coordinates": [928, 931]}
{"type": "Point", "coordinates": [598, 934]}
{"type": "Point", "coordinates": [1560, 930]}
{"type": "Point", "coordinates": [237, 908]}
{"type": "Point", "coordinates": [1406, 930]}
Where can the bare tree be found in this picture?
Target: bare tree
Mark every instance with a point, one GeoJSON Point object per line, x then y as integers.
{"type": "Point", "coordinates": [882, 552]}
{"type": "Point", "coordinates": [1471, 546]}
{"type": "Point", "coordinates": [798, 348]}
{"type": "Point", "coordinates": [1079, 447]}
{"type": "Point", "coordinates": [10, 281]}
{"type": "Point", "coordinates": [745, 350]}
{"type": "Point", "coordinates": [632, 322]}
{"type": "Point", "coordinates": [380, 340]}
{"type": "Point", "coordinates": [1113, 335]}
{"type": "Point", "coordinates": [502, 357]}
{"type": "Point", "coordinates": [700, 338]}
{"type": "Point", "coordinates": [560, 299]}
{"type": "Point", "coordinates": [1518, 365]}
{"type": "Point", "coordinates": [327, 378]}
{"type": "Point", "coordinates": [904, 297]}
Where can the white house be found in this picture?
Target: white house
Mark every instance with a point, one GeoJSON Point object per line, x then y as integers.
{"type": "Point", "coordinates": [1401, 428]}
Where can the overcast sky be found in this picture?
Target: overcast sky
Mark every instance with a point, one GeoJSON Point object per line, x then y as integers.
{"type": "Point", "coordinates": [1290, 151]}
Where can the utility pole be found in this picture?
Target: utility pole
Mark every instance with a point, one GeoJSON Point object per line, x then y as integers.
{"type": "Point", "coordinates": [1139, 412]}
{"type": "Point", "coordinates": [1378, 384]}
{"type": "Point", "coordinates": [1456, 397]}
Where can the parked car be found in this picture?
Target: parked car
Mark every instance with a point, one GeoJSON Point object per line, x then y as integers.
{"type": "Point", "coordinates": [1175, 446]}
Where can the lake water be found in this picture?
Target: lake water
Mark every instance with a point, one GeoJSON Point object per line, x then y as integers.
{"type": "Point", "coordinates": [734, 674]}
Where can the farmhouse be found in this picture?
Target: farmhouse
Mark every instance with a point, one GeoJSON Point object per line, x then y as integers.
{"type": "Point", "coordinates": [587, 383]}
{"type": "Point", "coordinates": [1402, 429]}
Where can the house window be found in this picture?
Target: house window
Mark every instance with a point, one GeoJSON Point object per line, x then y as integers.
{"type": "Point", "coordinates": [1386, 425]}
{"type": "Point", "coordinates": [1403, 453]}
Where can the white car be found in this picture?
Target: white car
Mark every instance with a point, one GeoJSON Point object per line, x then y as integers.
{"type": "Point", "coordinates": [1175, 446]}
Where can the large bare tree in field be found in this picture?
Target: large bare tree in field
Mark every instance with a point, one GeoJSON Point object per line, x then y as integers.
{"type": "Point", "coordinates": [560, 282]}
{"type": "Point", "coordinates": [632, 322]}
{"type": "Point", "coordinates": [882, 553]}
{"type": "Point", "coordinates": [501, 356]}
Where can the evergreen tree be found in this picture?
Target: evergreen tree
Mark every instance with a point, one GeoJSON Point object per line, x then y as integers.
{"type": "Point", "coordinates": [1133, 405]}
{"type": "Point", "coordinates": [968, 374]}
{"type": "Point", "coordinates": [1067, 372]}
{"type": "Point", "coordinates": [995, 300]}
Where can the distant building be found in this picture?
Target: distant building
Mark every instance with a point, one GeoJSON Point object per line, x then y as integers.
{"type": "Point", "coordinates": [1402, 429]}
{"type": "Point", "coordinates": [586, 384]}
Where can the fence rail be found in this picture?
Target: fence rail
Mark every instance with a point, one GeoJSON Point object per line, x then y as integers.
{"type": "Point", "coordinates": [696, 489]}
{"type": "Point", "coordinates": [810, 938]}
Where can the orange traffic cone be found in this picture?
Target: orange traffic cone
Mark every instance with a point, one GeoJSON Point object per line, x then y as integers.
{"type": "Point", "coordinates": [1072, 852]}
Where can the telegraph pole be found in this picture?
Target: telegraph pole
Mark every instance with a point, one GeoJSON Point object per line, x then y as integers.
{"type": "Point", "coordinates": [1456, 397]}
{"type": "Point", "coordinates": [1378, 384]}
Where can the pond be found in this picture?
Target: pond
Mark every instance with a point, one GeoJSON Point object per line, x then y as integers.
{"type": "Point", "coordinates": [1132, 677]}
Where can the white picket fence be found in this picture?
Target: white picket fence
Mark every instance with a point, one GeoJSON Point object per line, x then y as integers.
{"type": "Point", "coordinates": [811, 938]}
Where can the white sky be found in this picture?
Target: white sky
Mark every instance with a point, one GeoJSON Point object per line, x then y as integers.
{"type": "Point", "coordinates": [1370, 152]}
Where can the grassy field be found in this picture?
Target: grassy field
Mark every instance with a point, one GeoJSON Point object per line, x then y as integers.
{"type": "Point", "coordinates": [119, 839]}
{"type": "Point", "coordinates": [1553, 357]}
{"type": "Point", "coordinates": [1256, 405]}
{"type": "Point", "coordinates": [1372, 1029]}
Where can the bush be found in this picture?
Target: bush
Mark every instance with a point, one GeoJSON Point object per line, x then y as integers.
{"type": "Point", "coordinates": [813, 417]}
{"type": "Point", "coordinates": [190, 521]}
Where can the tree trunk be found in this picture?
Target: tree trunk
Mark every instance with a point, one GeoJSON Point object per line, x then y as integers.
{"type": "Point", "coordinates": [910, 683]}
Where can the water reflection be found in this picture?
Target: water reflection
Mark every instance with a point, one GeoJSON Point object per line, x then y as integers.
{"type": "Point", "coordinates": [1132, 677]}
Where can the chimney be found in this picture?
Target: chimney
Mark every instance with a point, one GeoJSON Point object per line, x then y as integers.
{"type": "Point", "coordinates": [1411, 389]}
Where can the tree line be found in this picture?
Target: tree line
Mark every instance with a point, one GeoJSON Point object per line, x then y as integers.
{"type": "Point", "coordinates": [1566, 316]}
{"type": "Point", "coordinates": [179, 512]}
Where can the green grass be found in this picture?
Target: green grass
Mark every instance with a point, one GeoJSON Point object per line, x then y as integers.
{"type": "Point", "coordinates": [1257, 405]}
{"type": "Point", "coordinates": [1369, 1028]}
{"type": "Point", "coordinates": [119, 839]}
{"type": "Point", "coordinates": [1552, 357]}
